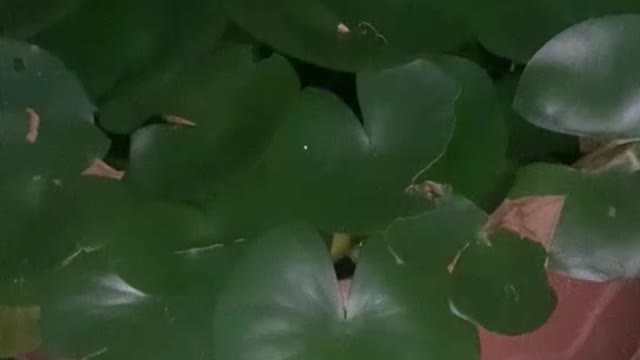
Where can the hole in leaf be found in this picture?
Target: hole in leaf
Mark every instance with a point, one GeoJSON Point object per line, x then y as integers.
{"type": "Point", "coordinates": [345, 268]}
{"type": "Point", "coordinates": [19, 65]}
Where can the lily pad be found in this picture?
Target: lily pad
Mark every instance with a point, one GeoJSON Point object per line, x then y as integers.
{"type": "Point", "coordinates": [46, 119]}
{"type": "Point", "coordinates": [110, 42]}
{"type": "Point", "coordinates": [293, 308]}
{"type": "Point", "coordinates": [597, 237]}
{"type": "Point", "coordinates": [354, 36]}
{"type": "Point", "coordinates": [498, 280]}
{"type": "Point", "coordinates": [228, 117]}
{"type": "Point", "coordinates": [94, 312]}
{"type": "Point", "coordinates": [516, 30]}
{"type": "Point", "coordinates": [337, 172]}
{"type": "Point", "coordinates": [46, 221]}
{"type": "Point", "coordinates": [472, 165]}
{"type": "Point", "coordinates": [502, 285]}
{"type": "Point", "coordinates": [585, 80]}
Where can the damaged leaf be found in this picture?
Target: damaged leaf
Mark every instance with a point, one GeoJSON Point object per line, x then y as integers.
{"type": "Point", "coordinates": [596, 237]}
{"type": "Point", "coordinates": [503, 287]}
{"type": "Point", "coordinates": [46, 119]}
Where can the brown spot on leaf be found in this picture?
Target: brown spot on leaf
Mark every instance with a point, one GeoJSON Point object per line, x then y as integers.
{"type": "Point", "coordinates": [533, 217]}
{"type": "Point", "coordinates": [34, 126]}
{"type": "Point", "coordinates": [429, 190]}
{"type": "Point", "coordinates": [177, 120]}
{"type": "Point", "coordinates": [101, 169]}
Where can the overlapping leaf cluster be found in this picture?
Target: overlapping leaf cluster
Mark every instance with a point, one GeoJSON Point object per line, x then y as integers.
{"type": "Point", "coordinates": [206, 241]}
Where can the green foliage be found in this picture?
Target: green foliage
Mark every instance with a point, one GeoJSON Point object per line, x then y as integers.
{"type": "Point", "coordinates": [246, 134]}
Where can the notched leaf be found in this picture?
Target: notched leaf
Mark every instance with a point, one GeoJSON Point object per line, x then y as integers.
{"type": "Point", "coordinates": [177, 120]}
{"type": "Point", "coordinates": [101, 169]}
{"type": "Point", "coordinates": [533, 217]}
{"type": "Point", "coordinates": [34, 126]}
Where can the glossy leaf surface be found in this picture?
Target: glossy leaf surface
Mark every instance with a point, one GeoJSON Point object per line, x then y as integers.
{"type": "Point", "coordinates": [293, 309]}
{"type": "Point", "coordinates": [585, 80]}
{"type": "Point", "coordinates": [516, 30]}
{"type": "Point", "coordinates": [233, 111]}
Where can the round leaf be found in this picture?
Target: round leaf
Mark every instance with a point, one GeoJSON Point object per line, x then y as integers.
{"type": "Point", "coordinates": [46, 119]}
{"type": "Point", "coordinates": [235, 107]}
{"type": "Point", "coordinates": [517, 29]}
{"type": "Point", "coordinates": [585, 80]}
{"type": "Point", "coordinates": [46, 221]}
{"type": "Point", "coordinates": [110, 42]}
{"type": "Point", "coordinates": [527, 142]}
{"type": "Point", "coordinates": [502, 285]}
{"type": "Point", "coordinates": [91, 311]}
{"type": "Point", "coordinates": [353, 36]}
{"type": "Point", "coordinates": [293, 309]}
{"type": "Point", "coordinates": [486, 272]}
{"type": "Point", "coordinates": [337, 172]}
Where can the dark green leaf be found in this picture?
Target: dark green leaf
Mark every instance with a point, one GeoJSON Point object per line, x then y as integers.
{"type": "Point", "coordinates": [283, 301]}
{"type": "Point", "coordinates": [94, 312]}
{"type": "Point", "coordinates": [502, 285]}
{"type": "Point", "coordinates": [517, 29]}
{"type": "Point", "coordinates": [46, 119]}
{"type": "Point", "coordinates": [353, 35]}
{"type": "Point", "coordinates": [109, 42]}
{"type": "Point", "coordinates": [475, 157]}
{"type": "Point", "coordinates": [337, 172]}
{"type": "Point", "coordinates": [235, 107]}
{"type": "Point", "coordinates": [585, 81]}
{"type": "Point", "coordinates": [597, 237]}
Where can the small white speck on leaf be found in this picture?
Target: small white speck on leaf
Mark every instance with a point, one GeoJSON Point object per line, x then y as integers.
{"type": "Point", "coordinates": [612, 211]}
{"type": "Point", "coordinates": [306, 147]}
{"type": "Point", "coordinates": [343, 29]}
